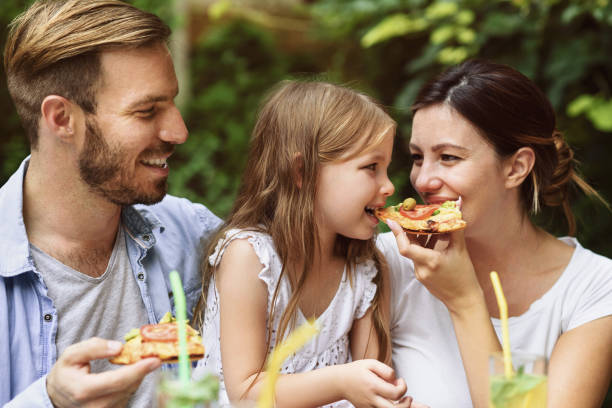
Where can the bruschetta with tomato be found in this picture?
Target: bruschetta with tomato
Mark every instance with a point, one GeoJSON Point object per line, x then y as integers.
{"type": "Point", "coordinates": [424, 218]}
{"type": "Point", "coordinates": [158, 340]}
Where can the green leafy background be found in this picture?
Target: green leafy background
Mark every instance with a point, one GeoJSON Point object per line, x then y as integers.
{"type": "Point", "coordinates": [237, 49]}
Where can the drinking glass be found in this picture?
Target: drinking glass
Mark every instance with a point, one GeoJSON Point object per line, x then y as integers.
{"type": "Point", "coordinates": [172, 393]}
{"type": "Point", "coordinates": [527, 388]}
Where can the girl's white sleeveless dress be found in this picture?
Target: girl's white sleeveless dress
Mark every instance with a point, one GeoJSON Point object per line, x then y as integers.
{"type": "Point", "coordinates": [329, 347]}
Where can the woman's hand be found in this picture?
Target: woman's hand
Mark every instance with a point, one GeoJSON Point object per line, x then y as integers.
{"type": "Point", "coordinates": [443, 265]}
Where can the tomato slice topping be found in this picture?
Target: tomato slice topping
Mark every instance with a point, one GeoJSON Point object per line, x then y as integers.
{"type": "Point", "coordinates": [420, 212]}
{"type": "Point", "coordinates": [166, 332]}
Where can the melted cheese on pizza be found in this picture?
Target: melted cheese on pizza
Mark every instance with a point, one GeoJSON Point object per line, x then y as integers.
{"type": "Point", "coordinates": [446, 219]}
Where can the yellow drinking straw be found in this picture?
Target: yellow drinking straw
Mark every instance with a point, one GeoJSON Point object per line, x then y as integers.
{"type": "Point", "coordinates": [294, 342]}
{"type": "Point", "coordinates": [503, 314]}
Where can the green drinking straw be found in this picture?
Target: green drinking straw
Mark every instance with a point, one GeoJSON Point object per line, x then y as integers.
{"type": "Point", "coordinates": [181, 320]}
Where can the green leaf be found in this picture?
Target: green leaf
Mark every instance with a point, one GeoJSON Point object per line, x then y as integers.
{"type": "Point", "coordinates": [571, 12]}
{"type": "Point", "coordinates": [597, 109]}
{"type": "Point", "coordinates": [393, 26]}
{"type": "Point", "coordinates": [601, 115]}
{"type": "Point", "coordinates": [466, 36]}
{"type": "Point", "coordinates": [442, 34]}
{"type": "Point", "coordinates": [452, 55]}
{"type": "Point", "coordinates": [599, 14]}
{"type": "Point", "coordinates": [465, 17]}
{"type": "Point", "coordinates": [426, 59]}
{"type": "Point", "coordinates": [441, 9]}
{"type": "Point", "coordinates": [218, 9]}
{"type": "Point", "coordinates": [580, 105]}
{"type": "Point", "coordinates": [504, 391]}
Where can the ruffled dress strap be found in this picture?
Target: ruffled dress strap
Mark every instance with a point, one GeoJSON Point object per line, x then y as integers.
{"type": "Point", "coordinates": [364, 274]}
{"type": "Point", "coordinates": [266, 253]}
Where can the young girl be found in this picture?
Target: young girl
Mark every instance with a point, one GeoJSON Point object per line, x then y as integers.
{"type": "Point", "coordinates": [299, 244]}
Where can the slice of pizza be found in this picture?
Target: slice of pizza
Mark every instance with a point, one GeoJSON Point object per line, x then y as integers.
{"type": "Point", "coordinates": [424, 219]}
{"type": "Point", "coordinates": [158, 340]}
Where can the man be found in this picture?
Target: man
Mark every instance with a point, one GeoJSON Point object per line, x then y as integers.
{"type": "Point", "coordinates": [80, 262]}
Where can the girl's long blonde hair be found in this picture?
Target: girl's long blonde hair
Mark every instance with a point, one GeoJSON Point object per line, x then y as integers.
{"type": "Point", "coordinates": [313, 123]}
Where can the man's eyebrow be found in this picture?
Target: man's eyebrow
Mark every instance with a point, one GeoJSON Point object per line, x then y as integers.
{"type": "Point", "coordinates": [150, 99]}
{"type": "Point", "coordinates": [440, 146]}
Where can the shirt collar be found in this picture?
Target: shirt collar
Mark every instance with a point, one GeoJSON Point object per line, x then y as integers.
{"type": "Point", "coordinates": [140, 222]}
{"type": "Point", "coordinates": [15, 257]}
{"type": "Point", "coordinates": [14, 247]}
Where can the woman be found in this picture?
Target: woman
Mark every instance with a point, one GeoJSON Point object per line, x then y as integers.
{"type": "Point", "coordinates": [485, 133]}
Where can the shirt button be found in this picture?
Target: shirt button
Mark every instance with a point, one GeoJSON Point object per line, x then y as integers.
{"type": "Point", "coordinates": [141, 276]}
{"type": "Point", "coordinates": [48, 317]}
{"type": "Point", "coordinates": [146, 237]}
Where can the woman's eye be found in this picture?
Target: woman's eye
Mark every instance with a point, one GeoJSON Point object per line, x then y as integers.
{"type": "Point", "coordinates": [416, 157]}
{"type": "Point", "coordinates": [448, 157]}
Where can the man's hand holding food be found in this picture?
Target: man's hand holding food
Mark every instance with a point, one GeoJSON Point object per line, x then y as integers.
{"type": "Point", "coordinates": [70, 382]}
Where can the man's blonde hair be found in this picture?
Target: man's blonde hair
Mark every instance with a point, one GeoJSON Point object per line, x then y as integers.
{"type": "Point", "coordinates": [53, 49]}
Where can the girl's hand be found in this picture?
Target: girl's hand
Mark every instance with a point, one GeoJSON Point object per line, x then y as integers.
{"type": "Point", "coordinates": [441, 263]}
{"type": "Point", "coordinates": [370, 383]}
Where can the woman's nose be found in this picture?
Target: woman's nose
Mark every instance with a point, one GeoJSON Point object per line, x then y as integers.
{"type": "Point", "coordinates": [424, 180]}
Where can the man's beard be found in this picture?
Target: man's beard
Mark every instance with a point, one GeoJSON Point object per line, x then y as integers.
{"type": "Point", "coordinates": [105, 170]}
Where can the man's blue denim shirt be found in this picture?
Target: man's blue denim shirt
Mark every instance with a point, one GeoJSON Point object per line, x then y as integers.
{"type": "Point", "coordinates": [160, 238]}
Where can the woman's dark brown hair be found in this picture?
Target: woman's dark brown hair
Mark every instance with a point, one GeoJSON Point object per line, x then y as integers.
{"type": "Point", "coordinates": [511, 112]}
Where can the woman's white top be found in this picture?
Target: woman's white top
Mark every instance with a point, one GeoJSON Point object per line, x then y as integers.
{"type": "Point", "coordinates": [425, 350]}
{"type": "Point", "coordinates": [329, 347]}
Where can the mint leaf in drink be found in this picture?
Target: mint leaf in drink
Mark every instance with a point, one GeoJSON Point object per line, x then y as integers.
{"type": "Point", "coordinates": [197, 392]}
{"type": "Point", "coordinates": [506, 391]}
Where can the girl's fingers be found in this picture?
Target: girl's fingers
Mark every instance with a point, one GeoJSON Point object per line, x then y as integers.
{"type": "Point", "coordinates": [380, 402]}
{"type": "Point", "coordinates": [381, 370]}
{"type": "Point", "coordinates": [401, 387]}
{"type": "Point", "coordinates": [388, 386]}
{"type": "Point", "coordinates": [405, 402]}
{"type": "Point", "coordinates": [417, 405]}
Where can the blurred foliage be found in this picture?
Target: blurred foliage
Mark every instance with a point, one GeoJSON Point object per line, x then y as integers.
{"type": "Point", "coordinates": [13, 147]}
{"type": "Point", "coordinates": [387, 48]}
{"type": "Point", "coordinates": [562, 45]}
{"type": "Point", "coordinates": [233, 65]}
